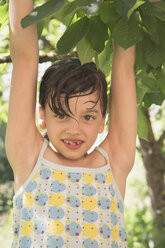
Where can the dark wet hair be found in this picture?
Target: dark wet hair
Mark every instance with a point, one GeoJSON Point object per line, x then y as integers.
{"type": "Point", "coordinates": [69, 78]}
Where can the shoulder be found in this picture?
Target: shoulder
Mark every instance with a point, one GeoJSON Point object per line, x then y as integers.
{"type": "Point", "coordinates": [24, 159]}
{"type": "Point", "coordinates": [120, 163]}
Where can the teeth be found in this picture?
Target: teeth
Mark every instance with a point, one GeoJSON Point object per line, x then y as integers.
{"type": "Point", "coordinates": [73, 143]}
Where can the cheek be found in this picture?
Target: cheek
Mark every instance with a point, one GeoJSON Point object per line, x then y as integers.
{"type": "Point", "coordinates": [92, 130]}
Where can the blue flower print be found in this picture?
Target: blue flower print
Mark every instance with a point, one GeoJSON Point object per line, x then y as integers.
{"type": "Point", "coordinates": [57, 187]}
{"type": "Point", "coordinates": [89, 216]}
{"type": "Point", "coordinates": [89, 190]}
{"type": "Point", "coordinates": [53, 242]}
{"type": "Point", "coordinates": [104, 203]}
{"type": "Point", "coordinates": [27, 214]}
{"type": "Point", "coordinates": [73, 201]}
{"type": "Point", "coordinates": [41, 199]}
{"type": "Point", "coordinates": [114, 245]}
{"type": "Point", "coordinates": [74, 177]}
{"type": "Point", "coordinates": [100, 178]}
{"type": "Point", "coordinates": [25, 242]}
{"type": "Point", "coordinates": [111, 189]}
{"type": "Point", "coordinates": [16, 229]}
{"type": "Point", "coordinates": [114, 219]}
{"type": "Point", "coordinates": [45, 174]}
{"type": "Point", "coordinates": [122, 234]}
{"type": "Point", "coordinates": [73, 229]}
{"type": "Point", "coordinates": [19, 202]}
{"type": "Point", "coordinates": [88, 243]}
{"type": "Point", "coordinates": [105, 231]}
{"type": "Point", "coordinates": [120, 206]}
{"type": "Point", "coordinates": [56, 213]}
{"type": "Point", "coordinates": [31, 186]}
{"type": "Point", "coordinates": [40, 227]}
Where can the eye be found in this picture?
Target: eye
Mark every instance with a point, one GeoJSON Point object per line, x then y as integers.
{"type": "Point", "coordinates": [60, 116]}
{"type": "Point", "coordinates": [89, 117]}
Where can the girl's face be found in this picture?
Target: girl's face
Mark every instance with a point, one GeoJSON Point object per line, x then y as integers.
{"type": "Point", "coordinates": [73, 136]}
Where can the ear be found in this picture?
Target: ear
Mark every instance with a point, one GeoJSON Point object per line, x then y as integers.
{"type": "Point", "coordinates": [102, 125]}
{"type": "Point", "coordinates": [42, 123]}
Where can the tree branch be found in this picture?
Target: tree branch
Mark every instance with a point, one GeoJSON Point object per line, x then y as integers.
{"type": "Point", "coordinates": [42, 58]}
{"type": "Point", "coordinates": [46, 43]}
{"type": "Point", "coordinates": [5, 59]}
{"type": "Point", "coordinates": [161, 139]}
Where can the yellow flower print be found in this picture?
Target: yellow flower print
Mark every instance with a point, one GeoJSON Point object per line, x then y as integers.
{"type": "Point", "coordinates": [90, 230]}
{"type": "Point", "coordinates": [114, 232]}
{"type": "Point", "coordinates": [35, 176]}
{"type": "Point", "coordinates": [56, 199]}
{"type": "Point", "coordinates": [26, 228]}
{"type": "Point", "coordinates": [28, 199]}
{"type": "Point", "coordinates": [113, 205]}
{"type": "Point", "coordinates": [59, 175]}
{"type": "Point", "coordinates": [89, 203]}
{"type": "Point", "coordinates": [108, 177]}
{"type": "Point", "coordinates": [55, 227]}
{"type": "Point", "coordinates": [88, 178]}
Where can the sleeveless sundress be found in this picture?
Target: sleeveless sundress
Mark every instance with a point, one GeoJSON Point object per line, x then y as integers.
{"type": "Point", "coordinates": [70, 207]}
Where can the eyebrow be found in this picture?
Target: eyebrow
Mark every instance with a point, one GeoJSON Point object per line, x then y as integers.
{"type": "Point", "coordinates": [92, 110]}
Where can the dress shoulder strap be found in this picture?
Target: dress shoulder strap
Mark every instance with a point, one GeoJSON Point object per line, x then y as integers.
{"type": "Point", "coordinates": [103, 152]}
{"type": "Point", "coordinates": [43, 148]}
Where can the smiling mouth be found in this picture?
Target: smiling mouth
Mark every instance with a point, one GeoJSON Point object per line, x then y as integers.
{"type": "Point", "coordinates": [73, 142]}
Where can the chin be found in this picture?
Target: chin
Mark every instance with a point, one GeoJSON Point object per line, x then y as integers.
{"type": "Point", "coordinates": [73, 156]}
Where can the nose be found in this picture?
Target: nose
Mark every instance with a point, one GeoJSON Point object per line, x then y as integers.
{"type": "Point", "coordinates": [73, 126]}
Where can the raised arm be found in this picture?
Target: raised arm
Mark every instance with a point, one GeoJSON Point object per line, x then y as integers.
{"type": "Point", "coordinates": [121, 138]}
{"type": "Point", "coordinates": [21, 128]}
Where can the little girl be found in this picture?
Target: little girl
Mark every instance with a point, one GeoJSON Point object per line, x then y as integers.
{"type": "Point", "coordinates": [64, 195]}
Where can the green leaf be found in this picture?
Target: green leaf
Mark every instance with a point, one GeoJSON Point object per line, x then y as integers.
{"type": "Point", "coordinates": [88, 6]}
{"type": "Point", "coordinates": [85, 51]}
{"type": "Point", "coordinates": [105, 58]}
{"type": "Point", "coordinates": [124, 6]}
{"type": "Point", "coordinates": [65, 13]}
{"type": "Point", "coordinates": [160, 77]}
{"type": "Point", "coordinates": [127, 33]}
{"type": "Point", "coordinates": [156, 9]}
{"type": "Point", "coordinates": [149, 84]}
{"type": "Point", "coordinates": [40, 26]}
{"type": "Point", "coordinates": [136, 5]}
{"type": "Point", "coordinates": [140, 61]}
{"type": "Point", "coordinates": [140, 92]}
{"type": "Point", "coordinates": [108, 12]}
{"type": "Point", "coordinates": [153, 98]}
{"type": "Point", "coordinates": [83, 3]}
{"type": "Point", "coordinates": [142, 127]}
{"type": "Point", "coordinates": [41, 12]}
{"type": "Point", "coordinates": [156, 29]}
{"type": "Point", "coordinates": [73, 35]}
{"type": "Point", "coordinates": [97, 33]}
{"type": "Point", "coordinates": [154, 55]}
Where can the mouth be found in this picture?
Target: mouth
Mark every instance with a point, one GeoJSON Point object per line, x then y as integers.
{"type": "Point", "coordinates": [73, 143]}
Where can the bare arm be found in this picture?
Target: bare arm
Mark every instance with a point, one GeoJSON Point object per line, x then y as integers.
{"type": "Point", "coordinates": [21, 128]}
{"type": "Point", "coordinates": [121, 138]}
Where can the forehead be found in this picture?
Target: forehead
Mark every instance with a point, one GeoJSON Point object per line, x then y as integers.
{"type": "Point", "coordinates": [81, 102]}
{"type": "Point", "coordinates": [85, 100]}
